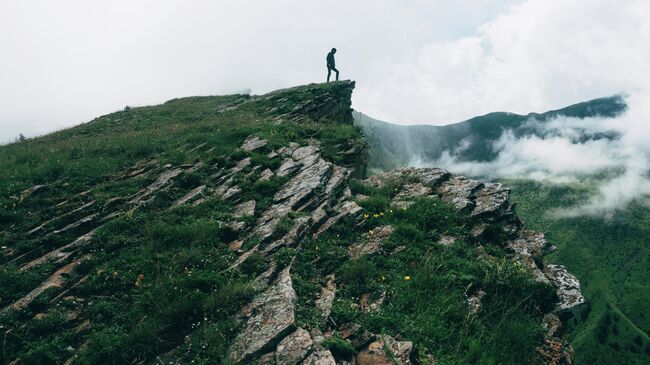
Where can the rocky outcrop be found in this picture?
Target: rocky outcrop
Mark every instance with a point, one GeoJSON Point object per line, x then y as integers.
{"type": "Point", "coordinates": [315, 195]}
{"type": "Point", "coordinates": [293, 348]}
{"type": "Point", "coordinates": [567, 286]}
{"type": "Point", "coordinates": [386, 351]}
{"type": "Point", "coordinates": [272, 318]}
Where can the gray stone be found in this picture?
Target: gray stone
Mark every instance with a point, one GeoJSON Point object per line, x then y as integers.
{"type": "Point", "coordinates": [347, 208]}
{"type": "Point", "coordinates": [458, 191]}
{"type": "Point", "coordinates": [567, 288]}
{"type": "Point", "coordinates": [372, 242]}
{"type": "Point", "coordinates": [376, 353]}
{"type": "Point", "coordinates": [474, 301]}
{"type": "Point", "coordinates": [320, 356]}
{"type": "Point", "coordinates": [287, 167]}
{"type": "Point", "coordinates": [293, 348]}
{"type": "Point", "coordinates": [552, 325]}
{"type": "Point", "coordinates": [528, 246]}
{"type": "Point", "coordinates": [446, 240]}
{"type": "Point", "coordinates": [297, 231]}
{"type": "Point", "coordinates": [266, 175]}
{"type": "Point", "coordinates": [326, 299]}
{"type": "Point", "coordinates": [189, 196]}
{"type": "Point", "coordinates": [231, 192]}
{"type": "Point", "coordinates": [252, 143]}
{"type": "Point", "coordinates": [303, 152]}
{"type": "Point", "coordinates": [163, 179]}
{"type": "Point", "coordinates": [303, 185]}
{"type": "Point", "coordinates": [245, 209]}
{"type": "Point", "coordinates": [273, 317]}
{"type": "Point", "coordinates": [490, 200]}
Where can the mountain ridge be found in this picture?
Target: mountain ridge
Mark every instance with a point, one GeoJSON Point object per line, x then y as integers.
{"type": "Point", "coordinates": [244, 230]}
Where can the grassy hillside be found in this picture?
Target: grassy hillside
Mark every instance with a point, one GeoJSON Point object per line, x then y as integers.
{"type": "Point", "coordinates": [238, 229]}
{"type": "Point", "coordinates": [152, 274]}
{"type": "Point", "coordinates": [610, 256]}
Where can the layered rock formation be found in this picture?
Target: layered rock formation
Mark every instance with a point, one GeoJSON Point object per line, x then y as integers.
{"type": "Point", "coordinates": [315, 197]}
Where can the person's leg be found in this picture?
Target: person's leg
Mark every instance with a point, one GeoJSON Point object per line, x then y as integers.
{"type": "Point", "coordinates": [337, 73]}
{"type": "Point", "coordinates": [329, 73]}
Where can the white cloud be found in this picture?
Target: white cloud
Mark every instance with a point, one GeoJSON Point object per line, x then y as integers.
{"type": "Point", "coordinates": [538, 55]}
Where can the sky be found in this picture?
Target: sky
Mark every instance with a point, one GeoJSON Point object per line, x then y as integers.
{"type": "Point", "coordinates": [65, 62]}
{"type": "Point", "coordinates": [415, 61]}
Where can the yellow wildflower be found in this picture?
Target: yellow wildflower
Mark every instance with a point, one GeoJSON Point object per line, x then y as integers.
{"type": "Point", "coordinates": [407, 278]}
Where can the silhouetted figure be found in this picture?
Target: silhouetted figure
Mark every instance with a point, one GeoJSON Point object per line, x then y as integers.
{"type": "Point", "coordinates": [331, 65]}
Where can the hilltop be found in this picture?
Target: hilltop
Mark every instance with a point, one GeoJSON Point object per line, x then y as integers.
{"type": "Point", "coordinates": [244, 229]}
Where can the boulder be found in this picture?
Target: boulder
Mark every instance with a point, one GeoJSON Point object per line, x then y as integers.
{"type": "Point", "coordinates": [373, 240]}
{"type": "Point", "coordinates": [375, 353]}
{"type": "Point", "coordinates": [252, 143]}
{"type": "Point", "coordinates": [325, 300]}
{"type": "Point", "coordinates": [189, 196]}
{"type": "Point", "coordinates": [245, 209]}
{"type": "Point", "coordinates": [458, 191]}
{"type": "Point", "coordinates": [490, 200]}
{"type": "Point", "coordinates": [320, 356]}
{"type": "Point", "coordinates": [293, 348]}
{"type": "Point", "coordinates": [567, 288]}
{"type": "Point", "coordinates": [273, 317]}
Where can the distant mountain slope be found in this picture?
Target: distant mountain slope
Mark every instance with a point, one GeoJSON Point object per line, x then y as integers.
{"type": "Point", "coordinates": [609, 254]}
{"type": "Point", "coordinates": [393, 145]}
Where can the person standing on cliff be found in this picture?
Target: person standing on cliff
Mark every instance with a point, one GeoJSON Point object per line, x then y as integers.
{"type": "Point", "coordinates": [331, 65]}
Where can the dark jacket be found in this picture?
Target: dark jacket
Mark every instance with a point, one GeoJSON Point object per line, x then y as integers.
{"type": "Point", "coordinates": [330, 60]}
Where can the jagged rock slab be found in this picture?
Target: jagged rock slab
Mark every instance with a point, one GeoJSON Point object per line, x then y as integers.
{"type": "Point", "coordinates": [162, 180]}
{"type": "Point", "coordinates": [288, 167]}
{"type": "Point", "coordinates": [56, 280]}
{"type": "Point", "coordinates": [293, 348]}
{"type": "Point", "coordinates": [77, 224]}
{"type": "Point", "coordinates": [377, 353]}
{"type": "Point", "coordinates": [304, 184]}
{"type": "Point", "coordinates": [320, 356]}
{"type": "Point", "coordinates": [246, 208]}
{"type": "Point", "coordinates": [372, 241]}
{"type": "Point", "coordinates": [528, 246]}
{"type": "Point", "coordinates": [490, 200]}
{"type": "Point", "coordinates": [297, 231]}
{"type": "Point", "coordinates": [325, 300]}
{"type": "Point", "coordinates": [266, 175]}
{"type": "Point", "coordinates": [431, 177]}
{"type": "Point", "coordinates": [458, 191]}
{"type": "Point", "coordinates": [347, 208]}
{"type": "Point", "coordinates": [60, 254]}
{"type": "Point", "coordinates": [568, 288]}
{"type": "Point", "coordinates": [252, 143]}
{"type": "Point", "coordinates": [189, 196]}
{"type": "Point", "coordinates": [272, 319]}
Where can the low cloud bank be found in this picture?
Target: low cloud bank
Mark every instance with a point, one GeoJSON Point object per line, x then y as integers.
{"type": "Point", "coordinates": [613, 153]}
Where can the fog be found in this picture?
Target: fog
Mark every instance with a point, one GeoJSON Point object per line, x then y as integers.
{"type": "Point", "coordinates": [559, 155]}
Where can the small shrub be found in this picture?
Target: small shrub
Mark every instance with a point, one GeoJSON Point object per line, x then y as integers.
{"type": "Point", "coordinates": [254, 265]}
{"type": "Point", "coordinates": [340, 348]}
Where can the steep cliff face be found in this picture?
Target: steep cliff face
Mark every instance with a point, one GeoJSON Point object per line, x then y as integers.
{"type": "Point", "coordinates": [267, 245]}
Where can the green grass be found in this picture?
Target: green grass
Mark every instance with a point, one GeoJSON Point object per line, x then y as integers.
{"type": "Point", "coordinates": [610, 257]}
{"type": "Point", "coordinates": [155, 279]}
{"type": "Point", "coordinates": [425, 285]}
